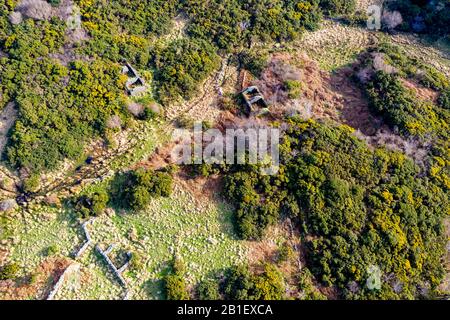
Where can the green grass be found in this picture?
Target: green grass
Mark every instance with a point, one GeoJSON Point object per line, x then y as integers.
{"type": "Point", "coordinates": [201, 234]}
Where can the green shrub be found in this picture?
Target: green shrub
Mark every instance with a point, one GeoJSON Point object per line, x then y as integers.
{"type": "Point", "coordinates": [52, 250]}
{"type": "Point", "coordinates": [294, 88]}
{"type": "Point", "coordinates": [270, 284]}
{"type": "Point", "coordinates": [238, 284]}
{"type": "Point", "coordinates": [181, 67]}
{"type": "Point", "coordinates": [338, 7]}
{"type": "Point", "coordinates": [136, 262]}
{"type": "Point", "coordinates": [286, 253]}
{"type": "Point", "coordinates": [135, 189]}
{"type": "Point", "coordinates": [176, 288]}
{"type": "Point", "coordinates": [175, 283]}
{"type": "Point", "coordinates": [354, 204]}
{"type": "Point", "coordinates": [54, 3]}
{"type": "Point", "coordinates": [100, 200]}
{"type": "Point", "coordinates": [31, 184]}
{"type": "Point", "coordinates": [9, 271]}
{"type": "Point", "coordinates": [93, 205]}
{"type": "Point", "coordinates": [241, 284]}
{"type": "Point", "coordinates": [307, 287]}
{"type": "Point", "coordinates": [444, 99]}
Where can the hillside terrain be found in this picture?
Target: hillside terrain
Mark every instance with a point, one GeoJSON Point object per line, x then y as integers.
{"type": "Point", "coordinates": [94, 206]}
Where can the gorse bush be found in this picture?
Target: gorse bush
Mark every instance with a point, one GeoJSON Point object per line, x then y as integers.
{"type": "Point", "coordinates": [413, 68]}
{"type": "Point", "coordinates": [135, 189]}
{"type": "Point", "coordinates": [59, 106]}
{"type": "Point", "coordinates": [432, 17]}
{"type": "Point", "coordinates": [121, 29]}
{"type": "Point", "coordinates": [9, 271]}
{"type": "Point", "coordinates": [232, 23]}
{"type": "Point", "coordinates": [338, 7]}
{"type": "Point", "coordinates": [181, 66]}
{"type": "Point", "coordinates": [67, 85]}
{"type": "Point", "coordinates": [401, 108]}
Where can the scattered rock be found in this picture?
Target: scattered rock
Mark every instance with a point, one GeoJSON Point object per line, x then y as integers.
{"type": "Point", "coordinates": [110, 212]}
{"type": "Point", "coordinates": [35, 9]}
{"type": "Point", "coordinates": [15, 18]}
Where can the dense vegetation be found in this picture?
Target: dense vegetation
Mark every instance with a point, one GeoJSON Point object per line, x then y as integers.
{"type": "Point", "coordinates": [356, 207]}
{"type": "Point", "coordinates": [9, 271]}
{"type": "Point", "coordinates": [371, 219]}
{"type": "Point", "coordinates": [181, 66]}
{"type": "Point", "coordinates": [233, 23]}
{"type": "Point", "coordinates": [208, 289]}
{"type": "Point", "coordinates": [123, 29]}
{"type": "Point", "coordinates": [93, 205]}
{"type": "Point", "coordinates": [59, 106]}
{"type": "Point", "coordinates": [424, 16]}
{"type": "Point", "coordinates": [412, 68]}
{"type": "Point", "coordinates": [241, 284]}
{"type": "Point", "coordinates": [401, 108]}
{"type": "Point", "coordinates": [67, 88]}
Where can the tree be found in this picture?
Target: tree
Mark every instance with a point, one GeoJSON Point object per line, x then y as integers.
{"type": "Point", "coordinates": [93, 205]}
{"type": "Point", "coordinates": [174, 282]}
{"type": "Point", "coordinates": [175, 287]}
{"type": "Point", "coordinates": [139, 197]}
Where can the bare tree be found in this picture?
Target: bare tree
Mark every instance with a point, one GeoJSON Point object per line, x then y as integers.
{"type": "Point", "coordinates": [35, 9]}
